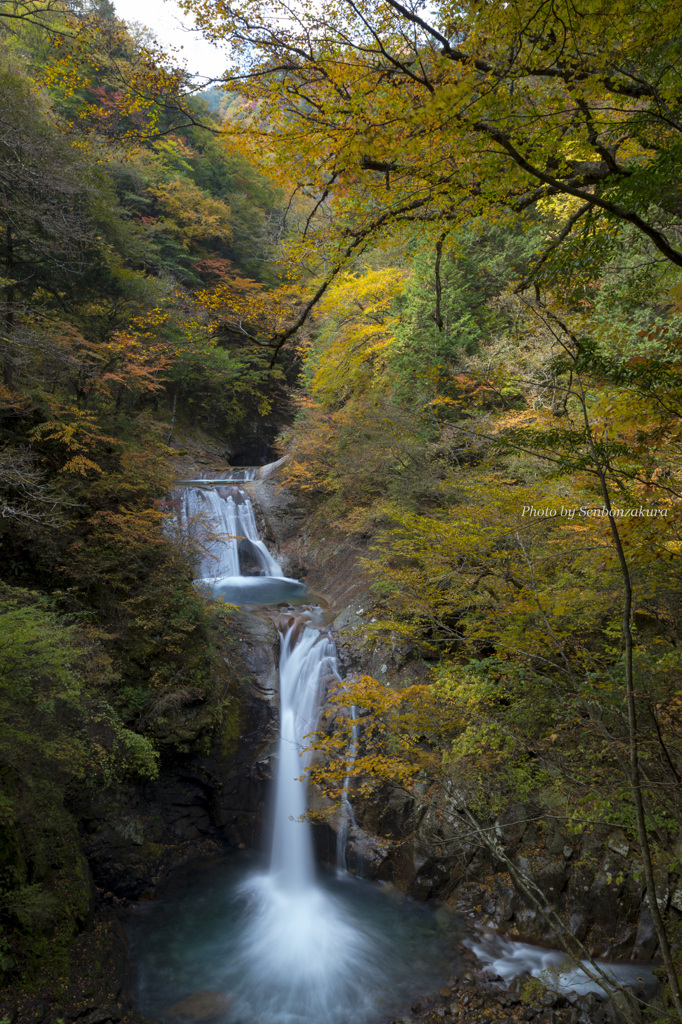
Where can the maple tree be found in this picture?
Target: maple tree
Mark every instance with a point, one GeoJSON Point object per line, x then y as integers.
{"type": "Point", "coordinates": [394, 116]}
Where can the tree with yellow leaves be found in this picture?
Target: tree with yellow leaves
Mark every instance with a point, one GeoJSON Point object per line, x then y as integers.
{"type": "Point", "coordinates": [395, 115]}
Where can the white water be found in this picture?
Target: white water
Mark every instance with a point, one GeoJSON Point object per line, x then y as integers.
{"type": "Point", "coordinates": [307, 660]}
{"type": "Point", "coordinates": [509, 960]}
{"type": "Point", "coordinates": [305, 958]}
{"type": "Point", "coordinates": [321, 963]}
{"type": "Point", "coordinates": [347, 814]}
{"type": "Point", "coordinates": [225, 525]}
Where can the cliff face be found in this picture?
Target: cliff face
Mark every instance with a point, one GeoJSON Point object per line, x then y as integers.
{"type": "Point", "coordinates": [212, 786]}
{"type": "Point", "coordinates": [428, 846]}
{"type": "Point", "coordinates": [215, 766]}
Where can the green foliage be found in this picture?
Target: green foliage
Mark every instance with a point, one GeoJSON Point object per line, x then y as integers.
{"type": "Point", "coordinates": [479, 262]}
{"type": "Point", "coordinates": [57, 728]}
{"type": "Point", "coordinates": [517, 610]}
{"type": "Point", "coordinates": [115, 228]}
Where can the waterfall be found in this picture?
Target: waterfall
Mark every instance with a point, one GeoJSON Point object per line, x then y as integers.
{"type": "Point", "coordinates": [225, 525]}
{"type": "Point", "coordinates": [347, 816]}
{"type": "Point", "coordinates": [314, 964]}
{"type": "Point", "coordinates": [306, 662]}
{"type": "Point", "coordinates": [303, 959]}
{"type": "Point", "coordinates": [227, 529]}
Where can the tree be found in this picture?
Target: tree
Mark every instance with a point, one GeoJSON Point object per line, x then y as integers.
{"type": "Point", "coordinates": [393, 115]}
{"type": "Point", "coordinates": [556, 640]}
{"type": "Point", "coordinates": [495, 578]}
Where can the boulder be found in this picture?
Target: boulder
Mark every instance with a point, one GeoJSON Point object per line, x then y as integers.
{"type": "Point", "coordinates": [203, 1007]}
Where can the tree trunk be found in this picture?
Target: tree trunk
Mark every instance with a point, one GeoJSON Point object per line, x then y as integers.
{"type": "Point", "coordinates": [633, 739]}
{"type": "Point", "coordinates": [8, 354]}
{"type": "Point", "coordinates": [172, 422]}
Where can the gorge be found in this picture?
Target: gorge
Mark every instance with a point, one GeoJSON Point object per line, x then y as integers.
{"type": "Point", "coordinates": [284, 364]}
{"type": "Point", "coordinates": [294, 942]}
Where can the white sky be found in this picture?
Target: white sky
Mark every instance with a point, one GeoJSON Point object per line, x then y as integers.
{"type": "Point", "coordinates": [165, 19]}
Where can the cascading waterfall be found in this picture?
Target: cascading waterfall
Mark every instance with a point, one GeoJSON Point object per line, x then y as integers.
{"type": "Point", "coordinates": [283, 946]}
{"type": "Point", "coordinates": [226, 524]}
{"type": "Point", "coordinates": [303, 958]}
{"type": "Point", "coordinates": [226, 521]}
{"type": "Point", "coordinates": [320, 961]}
{"type": "Point", "coordinates": [307, 660]}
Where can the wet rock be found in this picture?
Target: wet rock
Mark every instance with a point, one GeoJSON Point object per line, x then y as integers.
{"type": "Point", "coordinates": [676, 897]}
{"type": "Point", "coordinates": [106, 1015]}
{"type": "Point", "coordinates": [579, 924]}
{"type": "Point", "coordinates": [202, 1007]}
{"type": "Point", "coordinates": [617, 843]}
{"type": "Point", "coordinates": [646, 940]}
{"type": "Point", "coordinates": [514, 990]}
{"type": "Point", "coordinates": [623, 943]}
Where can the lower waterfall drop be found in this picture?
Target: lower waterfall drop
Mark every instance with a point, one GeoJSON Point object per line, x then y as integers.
{"type": "Point", "coordinates": [315, 963]}
{"type": "Point", "coordinates": [307, 659]}
{"type": "Point", "coordinates": [284, 945]}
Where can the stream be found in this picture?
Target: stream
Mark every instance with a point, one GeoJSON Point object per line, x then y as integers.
{"type": "Point", "coordinates": [237, 941]}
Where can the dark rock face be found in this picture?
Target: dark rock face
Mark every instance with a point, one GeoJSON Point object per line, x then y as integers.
{"type": "Point", "coordinates": [599, 896]}
{"type": "Point", "coordinates": [92, 991]}
{"type": "Point", "coordinates": [134, 835]}
{"type": "Point", "coordinates": [255, 444]}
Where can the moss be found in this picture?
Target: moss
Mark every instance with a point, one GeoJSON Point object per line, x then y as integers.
{"type": "Point", "coordinates": [47, 897]}
{"type": "Point", "coordinates": [231, 729]}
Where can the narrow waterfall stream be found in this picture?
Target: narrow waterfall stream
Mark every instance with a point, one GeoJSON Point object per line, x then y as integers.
{"type": "Point", "coordinates": [347, 814]}
{"type": "Point", "coordinates": [287, 943]}
{"type": "Point", "coordinates": [236, 942]}
{"type": "Point", "coordinates": [307, 658]}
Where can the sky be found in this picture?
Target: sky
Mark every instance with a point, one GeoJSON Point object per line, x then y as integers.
{"type": "Point", "coordinates": [165, 19]}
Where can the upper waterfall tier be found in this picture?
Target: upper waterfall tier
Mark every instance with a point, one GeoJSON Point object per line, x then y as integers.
{"type": "Point", "coordinates": [225, 524]}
